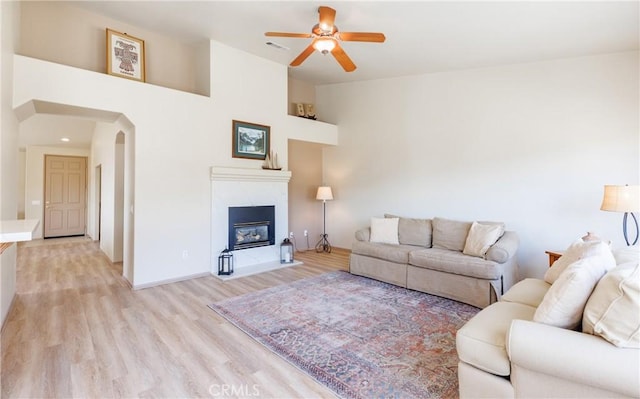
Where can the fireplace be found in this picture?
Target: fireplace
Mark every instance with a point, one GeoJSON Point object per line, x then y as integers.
{"type": "Point", "coordinates": [252, 189]}
{"type": "Point", "coordinates": [251, 227]}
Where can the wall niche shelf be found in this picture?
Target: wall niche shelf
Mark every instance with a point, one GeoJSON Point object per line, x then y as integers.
{"type": "Point", "coordinates": [313, 131]}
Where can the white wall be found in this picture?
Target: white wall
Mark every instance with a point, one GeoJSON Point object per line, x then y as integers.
{"type": "Point", "coordinates": [9, 36]}
{"type": "Point", "coordinates": [68, 34]}
{"type": "Point", "coordinates": [118, 196]}
{"type": "Point", "coordinates": [305, 212]}
{"type": "Point", "coordinates": [103, 153]}
{"type": "Point", "coordinates": [178, 137]}
{"type": "Point", "coordinates": [531, 145]}
{"type": "Point", "coordinates": [173, 142]}
{"type": "Point", "coordinates": [300, 92]}
{"type": "Point", "coordinates": [22, 165]}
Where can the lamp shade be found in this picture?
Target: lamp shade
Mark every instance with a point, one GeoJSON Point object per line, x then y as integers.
{"type": "Point", "coordinates": [324, 45]}
{"type": "Point", "coordinates": [324, 193]}
{"type": "Point", "coordinates": [621, 198]}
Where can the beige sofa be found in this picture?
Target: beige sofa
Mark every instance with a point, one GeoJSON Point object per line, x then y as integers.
{"type": "Point", "coordinates": [429, 256]}
{"type": "Point", "coordinates": [505, 353]}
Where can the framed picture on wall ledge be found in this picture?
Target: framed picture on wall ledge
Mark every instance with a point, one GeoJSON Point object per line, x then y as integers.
{"type": "Point", "coordinates": [125, 56]}
{"type": "Point", "coordinates": [250, 140]}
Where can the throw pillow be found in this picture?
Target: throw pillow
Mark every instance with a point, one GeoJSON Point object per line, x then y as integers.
{"type": "Point", "coordinates": [413, 231]}
{"type": "Point", "coordinates": [627, 254]}
{"type": "Point", "coordinates": [481, 237]}
{"type": "Point", "coordinates": [613, 310]}
{"type": "Point", "coordinates": [564, 303]}
{"type": "Point", "coordinates": [384, 230]}
{"type": "Point", "coordinates": [450, 234]}
{"type": "Point", "coordinates": [578, 250]}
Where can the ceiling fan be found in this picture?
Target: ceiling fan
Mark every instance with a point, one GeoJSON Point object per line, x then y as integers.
{"type": "Point", "coordinates": [326, 38]}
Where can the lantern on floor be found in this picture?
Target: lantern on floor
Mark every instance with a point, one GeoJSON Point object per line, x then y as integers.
{"type": "Point", "coordinates": [225, 262]}
{"type": "Point", "coordinates": [286, 251]}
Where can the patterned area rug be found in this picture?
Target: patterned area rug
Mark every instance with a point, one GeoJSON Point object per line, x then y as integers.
{"type": "Point", "coordinates": [360, 337]}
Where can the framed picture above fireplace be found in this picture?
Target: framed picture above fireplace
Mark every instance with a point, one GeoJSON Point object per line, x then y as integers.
{"type": "Point", "coordinates": [250, 140]}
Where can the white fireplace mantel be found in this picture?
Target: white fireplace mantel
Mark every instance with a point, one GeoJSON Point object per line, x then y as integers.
{"type": "Point", "coordinates": [231, 187]}
{"type": "Point", "coordinates": [224, 173]}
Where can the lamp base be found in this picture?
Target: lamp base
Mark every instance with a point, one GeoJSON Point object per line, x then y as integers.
{"type": "Point", "coordinates": [323, 245]}
{"type": "Point", "coordinates": [624, 228]}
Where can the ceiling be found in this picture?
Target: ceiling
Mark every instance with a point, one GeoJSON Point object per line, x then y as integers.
{"type": "Point", "coordinates": [422, 36]}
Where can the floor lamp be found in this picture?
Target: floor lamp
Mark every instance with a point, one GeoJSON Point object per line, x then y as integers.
{"type": "Point", "coordinates": [623, 199]}
{"type": "Point", "coordinates": [324, 194]}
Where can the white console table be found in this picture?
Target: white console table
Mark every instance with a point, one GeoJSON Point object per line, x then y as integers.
{"type": "Point", "coordinates": [12, 231]}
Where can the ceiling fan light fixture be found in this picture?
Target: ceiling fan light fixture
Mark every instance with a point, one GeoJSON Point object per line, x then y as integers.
{"type": "Point", "coordinates": [326, 39]}
{"type": "Point", "coordinates": [325, 45]}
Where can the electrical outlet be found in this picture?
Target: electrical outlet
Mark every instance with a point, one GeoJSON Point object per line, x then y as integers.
{"type": "Point", "coordinates": [185, 254]}
{"type": "Point", "coordinates": [306, 233]}
{"type": "Point", "coordinates": [291, 234]}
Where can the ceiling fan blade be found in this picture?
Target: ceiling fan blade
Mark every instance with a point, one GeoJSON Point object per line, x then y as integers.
{"type": "Point", "coordinates": [303, 55]}
{"type": "Point", "coordinates": [343, 59]}
{"type": "Point", "coordinates": [286, 34]}
{"type": "Point", "coordinates": [327, 17]}
{"type": "Point", "coordinates": [362, 37]}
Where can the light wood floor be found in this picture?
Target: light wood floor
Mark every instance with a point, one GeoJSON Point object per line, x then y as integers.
{"type": "Point", "coordinates": [77, 330]}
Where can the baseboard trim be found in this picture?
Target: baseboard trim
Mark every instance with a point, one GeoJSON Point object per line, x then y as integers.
{"type": "Point", "coordinates": [169, 281]}
{"type": "Point", "coordinates": [333, 249]}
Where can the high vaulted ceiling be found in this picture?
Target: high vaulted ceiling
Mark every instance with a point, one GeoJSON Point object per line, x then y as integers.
{"type": "Point", "coordinates": [422, 36]}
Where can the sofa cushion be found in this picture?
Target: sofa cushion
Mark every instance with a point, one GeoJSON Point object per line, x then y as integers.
{"type": "Point", "coordinates": [505, 248]}
{"type": "Point", "coordinates": [481, 237]}
{"type": "Point", "coordinates": [455, 262]}
{"type": "Point", "coordinates": [413, 231]}
{"type": "Point", "coordinates": [627, 254]}
{"type": "Point", "coordinates": [529, 291]}
{"type": "Point", "coordinates": [450, 234]}
{"type": "Point", "coordinates": [392, 253]}
{"type": "Point", "coordinates": [578, 250]}
{"type": "Point", "coordinates": [384, 230]}
{"type": "Point", "coordinates": [363, 234]}
{"type": "Point", "coordinates": [564, 303]}
{"type": "Point", "coordinates": [613, 310]}
{"type": "Point", "coordinates": [481, 341]}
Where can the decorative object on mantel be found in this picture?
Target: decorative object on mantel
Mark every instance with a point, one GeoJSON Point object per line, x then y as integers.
{"type": "Point", "coordinates": [324, 194]}
{"type": "Point", "coordinates": [125, 56]}
{"type": "Point", "coordinates": [286, 251]}
{"type": "Point", "coordinates": [271, 162]}
{"type": "Point", "coordinates": [623, 199]}
{"type": "Point", "coordinates": [225, 263]}
{"type": "Point", "coordinates": [250, 140]}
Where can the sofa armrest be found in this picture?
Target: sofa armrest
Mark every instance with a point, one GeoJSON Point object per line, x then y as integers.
{"type": "Point", "coordinates": [505, 248]}
{"type": "Point", "coordinates": [573, 356]}
{"type": "Point", "coordinates": [363, 234]}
